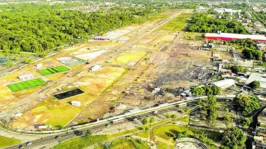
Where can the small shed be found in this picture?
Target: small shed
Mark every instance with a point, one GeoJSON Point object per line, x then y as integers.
{"type": "Point", "coordinates": [96, 68]}
{"type": "Point", "coordinates": [39, 66]}
{"type": "Point", "coordinates": [76, 103]}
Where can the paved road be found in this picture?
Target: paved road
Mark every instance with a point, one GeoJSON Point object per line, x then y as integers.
{"type": "Point", "coordinates": [99, 125]}
{"type": "Point", "coordinates": [50, 139]}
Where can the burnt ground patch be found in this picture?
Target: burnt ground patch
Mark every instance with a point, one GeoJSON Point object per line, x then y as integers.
{"type": "Point", "coordinates": [67, 94]}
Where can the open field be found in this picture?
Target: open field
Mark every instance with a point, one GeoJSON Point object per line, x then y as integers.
{"type": "Point", "coordinates": [178, 23]}
{"type": "Point", "coordinates": [126, 58]}
{"type": "Point", "coordinates": [57, 113]}
{"type": "Point", "coordinates": [53, 70]}
{"type": "Point", "coordinates": [26, 85]}
{"type": "Point", "coordinates": [4, 141]}
{"type": "Point", "coordinates": [193, 36]}
{"type": "Point", "coordinates": [104, 89]}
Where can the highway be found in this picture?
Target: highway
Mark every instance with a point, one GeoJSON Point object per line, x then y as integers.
{"type": "Point", "coordinates": [98, 125]}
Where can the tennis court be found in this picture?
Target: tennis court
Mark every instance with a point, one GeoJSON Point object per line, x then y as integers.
{"type": "Point", "coordinates": [54, 70]}
{"type": "Point", "coordinates": [26, 85]}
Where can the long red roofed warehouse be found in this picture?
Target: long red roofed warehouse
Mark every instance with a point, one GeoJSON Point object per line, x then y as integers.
{"type": "Point", "coordinates": [229, 37]}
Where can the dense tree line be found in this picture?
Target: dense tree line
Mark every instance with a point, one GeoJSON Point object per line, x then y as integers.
{"type": "Point", "coordinates": [41, 27]}
{"type": "Point", "coordinates": [206, 23]}
{"type": "Point", "coordinates": [206, 90]}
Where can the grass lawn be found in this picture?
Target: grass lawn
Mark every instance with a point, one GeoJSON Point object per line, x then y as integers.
{"type": "Point", "coordinates": [159, 16]}
{"type": "Point", "coordinates": [193, 36]}
{"type": "Point", "coordinates": [162, 145]}
{"type": "Point", "coordinates": [4, 141]}
{"type": "Point", "coordinates": [81, 142]}
{"type": "Point", "coordinates": [121, 144]}
{"type": "Point", "coordinates": [53, 70]}
{"type": "Point", "coordinates": [143, 134]}
{"type": "Point", "coordinates": [178, 23]}
{"type": "Point", "coordinates": [168, 132]}
{"type": "Point", "coordinates": [26, 85]}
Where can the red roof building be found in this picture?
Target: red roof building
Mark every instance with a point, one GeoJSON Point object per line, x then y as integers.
{"type": "Point", "coordinates": [229, 37]}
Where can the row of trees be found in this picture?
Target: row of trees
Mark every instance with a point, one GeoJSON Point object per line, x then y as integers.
{"type": "Point", "coordinates": [243, 43]}
{"type": "Point", "coordinates": [206, 90]}
{"type": "Point", "coordinates": [210, 106]}
{"type": "Point", "coordinates": [206, 23]}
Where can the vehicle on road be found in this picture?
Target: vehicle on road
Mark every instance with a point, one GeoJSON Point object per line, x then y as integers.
{"type": "Point", "coordinates": [107, 125]}
{"type": "Point", "coordinates": [28, 143]}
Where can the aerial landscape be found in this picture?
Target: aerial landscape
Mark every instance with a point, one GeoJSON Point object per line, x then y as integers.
{"type": "Point", "coordinates": [133, 74]}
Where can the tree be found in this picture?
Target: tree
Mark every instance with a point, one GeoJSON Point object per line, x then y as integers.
{"type": "Point", "coordinates": [185, 133]}
{"type": "Point", "coordinates": [254, 84]}
{"type": "Point", "coordinates": [28, 61]}
{"type": "Point", "coordinates": [234, 138]}
{"type": "Point", "coordinates": [216, 90]}
{"type": "Point", "coordinates": [245, 121]}
{"type": "Point", "coordinates": [252, 54]}
{"type": "Point", "coordinates": [145, 121]}
{"type": "Point", "coordinates": [247, 104]}
{"type": "Point", "coordinates": [227, 118]}
{"type": "Point", "coordinates": [206, 90]}
{"type": "Point", "coordinates": [88, 132]}
{"type": "Point", "coordinates": [238, 69]}
{"type": "Point", "coordinates": [211, 108]}
{"type": "Point", "coordinates": [9, 64]}
{"type": "Point", "coordinates": [152, 119]}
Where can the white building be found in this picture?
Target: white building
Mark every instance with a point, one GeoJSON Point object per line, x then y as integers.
{"type": "Point", "coordinates": [39, 66]}
{"type": "Point", "coordinates": [223, 10]}
{"type": "Point", "coordinates": [225, 83]}
{"type": "Point", "coordinates": [257, 77]}
{"type": "Point", "coordinates": [96, 68]}
{"type": "Point", "coordinates": [26, 77]}
{"type": "Point", "coordinates": [76, 103]}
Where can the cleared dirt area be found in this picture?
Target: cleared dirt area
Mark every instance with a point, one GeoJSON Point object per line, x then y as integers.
{"type": "Point", "coordinates": [150, 55]}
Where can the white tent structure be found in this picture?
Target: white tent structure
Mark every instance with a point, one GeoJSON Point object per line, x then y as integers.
{"type": "Point", "coordinates": [225, 83]}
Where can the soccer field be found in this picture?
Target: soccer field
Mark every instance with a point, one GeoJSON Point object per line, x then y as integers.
{"type": "Point", "coordinates": [53, 70]}
{"type": "Point", "coordinates": [26, 85]}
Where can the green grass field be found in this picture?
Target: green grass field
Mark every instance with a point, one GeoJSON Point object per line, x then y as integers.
{"type": "Point", "coordinates": [4, 141]}
{"type": "Point", "coordinates": [26, 85]}
{"type": "Point", "coordinates": [178, 23]}
{"type": "Point", "coordinates": [54, 70]}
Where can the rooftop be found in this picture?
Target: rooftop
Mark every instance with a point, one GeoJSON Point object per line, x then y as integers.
{"type": "Point", "coordinates": [257, 77]}
{"type": "Point", "coordinates": [236, 36]}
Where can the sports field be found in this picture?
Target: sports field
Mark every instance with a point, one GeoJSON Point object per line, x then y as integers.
{"type": "Point", "coordinates": [53, 70]}
{"type": "Point", "coordinates": [26, 85]}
